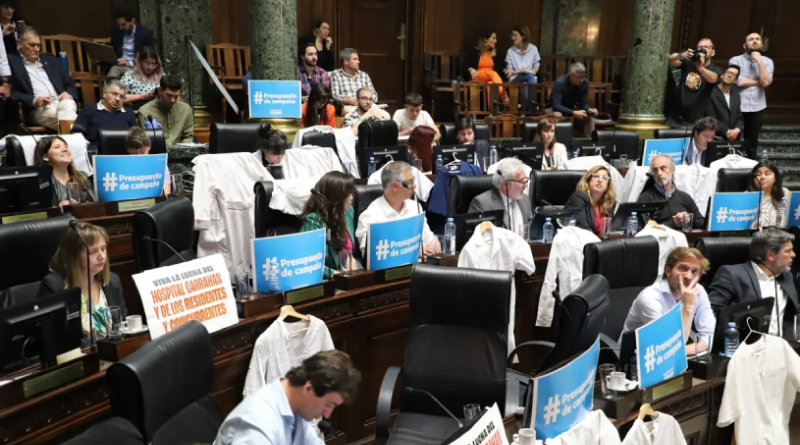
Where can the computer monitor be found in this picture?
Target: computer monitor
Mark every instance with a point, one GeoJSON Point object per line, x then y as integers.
{"type": "Point", "coordinates": [558, 216]}
{"type": "Point", "coordinates": [627, 347]}
{"type": "Point", "coordinates": [26, 188]}
{"type": "Point", "coordinates": [382, 155]}
{"type": "Point", "coordinates": [451, 152]}
{"type": "Point", "coordinates": [623, 212]}
{"type": "Point", "coordinates": [466, 222]}
{"type": "Point", "coordinates": [590, 148]}
{"type": "Point", "coordinates": [530, 154]}
{"type": "Point", "coordinates": [738, 313]}
{"type": "Point", "coordinates": [40, 329]}
{"type": "Point", "coordinates": [717, 150]}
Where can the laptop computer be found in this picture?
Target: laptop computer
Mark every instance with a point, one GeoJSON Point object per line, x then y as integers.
{"type": "Point", "coordinates": [99, 52]}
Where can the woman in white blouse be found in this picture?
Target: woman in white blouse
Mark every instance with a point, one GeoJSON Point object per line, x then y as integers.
{"type": "Point", "coordinates": [767, 179]}
{"type": "Point", "coordinates": [555, 153]}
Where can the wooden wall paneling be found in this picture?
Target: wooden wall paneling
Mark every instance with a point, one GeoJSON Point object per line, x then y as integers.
{"type": "Point", "coordinates": [779, 30]}
{"type": "Point", "coordinates": [616, 28]}
{"type": "Point", "coordinates": [72, 18]}
{"type": "Point", "coordinates": [221, 22]}
{"type": "Point", "coordinates": [415, 29]}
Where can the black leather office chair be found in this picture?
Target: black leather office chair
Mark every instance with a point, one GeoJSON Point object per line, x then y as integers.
{"type": "Point", "coordinates": [15, 155]}
{"type": "Point", "coordinates": [171, 221]}
{"type": "Point", "coordinates": [463, 189]}
{"type": "Point", "coordinates": [268, 221]}
{"type": "Point", "coordinates": [450, 137]}
{"type": "Point", "coordinates": [28, 247]}
{"type": "Point", "coordinates": [622, 142]}
{"type": "Point", "coordinates": [115, 430]}
{"type": "Point", "coordinates": [553, 186]}
{"type": "Point", "coordinates": [163, 388]}
{"type": "Point", "coordinates": [733, 179]}
{"type": "Point", "coordinates": [377, 134]}
{"type": "Point", "coordinates": [672, 133]}
{"type": "Point", "coordinates": [112, 142]}
{"type": "Point", "coordinates": [563, 133]}
{"type": "Point", "coordinates": [629, 265]}
{"type": "Point", "coordinates": [456, 350]}
{"type": "Point", "coordinates": [722, 252]}
{"type": "Point", "coordinates": [233, 138]}
{"type": "Point", "coordinates": [320, 140]}
{"type": "Point", "coordinates": [363, 197]}
{"type": "Point", "coordinates": [581, 318]}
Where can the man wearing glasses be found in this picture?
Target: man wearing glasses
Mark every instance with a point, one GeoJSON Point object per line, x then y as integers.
{"type": "Point", "coordinates": [698, 77]}
{"type": "Point", "coordinates": [682, 271]}
{"type": "Point", "coordinates": [570, 97]}
{"type": "Point", "coordinates": [364, 112]}
{"type": "Point", "coordinates": [725, 106]}
{"type": "Point", "coordinates": [509, 182]}
{"type": "Point", "coordinates": [107, 114]}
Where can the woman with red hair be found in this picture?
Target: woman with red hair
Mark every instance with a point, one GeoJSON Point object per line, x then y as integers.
{"type": "Point", "coordinates": [420, 143]}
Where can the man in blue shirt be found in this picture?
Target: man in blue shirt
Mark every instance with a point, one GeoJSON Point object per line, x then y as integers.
{"type": "Point", "coordinates": [279, 413]}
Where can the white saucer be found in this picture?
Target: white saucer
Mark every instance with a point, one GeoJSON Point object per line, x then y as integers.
{"type": "Point", "coordinates": [128, 331]}
{"type": "Point", "coordinates": [630, 385]}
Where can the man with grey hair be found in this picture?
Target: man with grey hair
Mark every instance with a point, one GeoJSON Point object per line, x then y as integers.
{"type": "Point", "coordinates": [398, 183]}
{"type": "Point", "coordinates": [679, 205]}
{"type": "Point", "coordinates": [346, 81]}
{"type": "Point", "coordinates": [508, 194]}
{"type": "Point", "coordinates": [767, 274]}
{"type": "Point", "coordinates": [570, 97]}
{"type": "Point", "coordinates": [107, 114]}
{"type": "Point", "coordinates": [40, 83]}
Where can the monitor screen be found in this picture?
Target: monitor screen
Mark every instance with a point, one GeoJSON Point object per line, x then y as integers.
{"type": "Point", "coordinates": [645, 211]}
{"type": "Point", "coordinates": [382, 155]}
{"type": "Point", "coordinates": [26, 188]}
{"type": "Point", "coordinates": [717, 150]}
{"type": "Point", "coordinates": [466, 222]}
{"type": "Point", "coordinates": [452, 152]}
{"type": "Point", "coordinates": [739, 313]}
{"type": "Point", "coordinates": [590, 148]}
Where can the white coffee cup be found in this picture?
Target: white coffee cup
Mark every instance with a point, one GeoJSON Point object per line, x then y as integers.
{"type": "Point", "coordinates": [527, 436]}
{"type": "Point", "coordinates": [616, 380]}
{"type": "Point", "coordinates": [133, 322]}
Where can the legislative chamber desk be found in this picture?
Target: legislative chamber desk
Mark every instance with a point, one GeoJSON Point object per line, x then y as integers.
{"type": "Point", "coordinates": [369, 324]}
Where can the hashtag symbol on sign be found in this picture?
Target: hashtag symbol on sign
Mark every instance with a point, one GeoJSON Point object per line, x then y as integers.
{"type": "Point", "coordinates": [110, 182]}
{"type": "Point", "coordinates": [650, 358]}
{"type": "Point", "coordinates": [651, 156]}
{"type": "Point", "coordinates": [382, 250]}
{"type": "Point", "coordinates": [797, 212]}
{"type": "Point", "coordinates": [258, 98]}
{"type": "Point", "coordinates": [722, 215]}
{"type": "Point", "coordinates": [551, 410]}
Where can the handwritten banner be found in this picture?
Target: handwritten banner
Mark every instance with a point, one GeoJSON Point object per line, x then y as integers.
{"type": "Point", "coordinates": [488, 429]}
{"type": "Point", "coordinates": [119, 178]}
{"type": "Point", "coordinates": [194, 290]}
{"type": "Point", "coordinates": [674, 148]}
{"type": "Point", "coordinates": [394, 243]}
{"type": "Point", "coordinates": [733, 211]}
{"type": "Point", "coordinates": [300, 257]}
{"type": "Point", "coordinates": [661, 348]}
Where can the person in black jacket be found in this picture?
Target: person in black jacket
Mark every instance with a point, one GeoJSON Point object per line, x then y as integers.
{"type": "Point", "coordinates": [725, 106]}
{"type": "Point", "coordinates": [127, 39]}
{"type": "Point", "coordinates": [661, 188]}
{"type": "Point", "coordinates": [68, 270]}
{"type": "Point", "coordinates": [595, 198]}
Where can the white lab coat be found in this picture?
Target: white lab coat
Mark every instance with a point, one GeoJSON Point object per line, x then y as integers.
{"type": "Point", "coordinates": [695, 180]}
{"type": "Point", "coordinates": [662, 430]}
{"type": "Point", "coordinates": [594, 429]}
{"type": "Point", "coordinates": [77, 146]}
{"type": "Point", "coordinates": [708, 186]}
{"type": "Point", "coordinates": [587, 162]}
{"type": "Point", "coordinates": [424, 185]}
{"type": "Point", "coordinates": [499, 249]}
{"type": "Point", "coordinates": [345, 145]}
{"type": "Point", "coordinates": [290, 195]}
{"type": "Point", "coordinates": [224, 206]}
{"type": "Point", "coordinates": [668, 239]}
{"type": "Point", "coordinates": [566, 265]}
{"type": "Point", "coordinates": [310, 161]}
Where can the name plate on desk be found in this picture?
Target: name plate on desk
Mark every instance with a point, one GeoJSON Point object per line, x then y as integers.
{"type": "Point", "coordinates": [40, 381]}
{"type": "Point", "coordinates": [393, 274]}
{"type": "Point", "coordinates": [134, 205]}
{"type": "Point", "coordinates": [305, 294]}
{"type": "Point", "coordinates": [24, 217]}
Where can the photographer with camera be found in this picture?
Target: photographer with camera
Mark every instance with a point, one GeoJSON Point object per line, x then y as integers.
{"type": "Point", "coordinates": [698, 78]}
{"type": "Point", "coordinates": [756, 75]}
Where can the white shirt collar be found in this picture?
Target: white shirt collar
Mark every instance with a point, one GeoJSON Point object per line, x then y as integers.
{"type": "Point", "coordinates": [388, 210]}
{"type": "Point", "coordinates": [480, 243]}
{"type": "Point", "coordinates": [100, 106]}
{"type": "Point", "coordinates": [760, 274]}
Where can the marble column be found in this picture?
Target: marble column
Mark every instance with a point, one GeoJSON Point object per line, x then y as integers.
{"type": "Point", "coordinates": [570, 27]}
{"type": "Point", "coordinates": [643, 107]}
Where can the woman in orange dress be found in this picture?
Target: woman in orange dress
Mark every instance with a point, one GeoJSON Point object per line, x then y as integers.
{"type": "Point", "coordinates": [483, 64]}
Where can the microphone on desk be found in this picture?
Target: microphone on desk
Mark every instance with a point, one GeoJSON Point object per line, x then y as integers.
{"type": "Point", "coordinates": [430, 396]}
{"type": "Point", "coordinates": [329, 430]}
{"type": "Point", "coordinates": [28, 132]}
{"type": "Point", "coordinates": [150, 118]}
{"type": "Point", "coordinates": [73, 224]}
{"type": "Point", "coordinates": [156, 240]}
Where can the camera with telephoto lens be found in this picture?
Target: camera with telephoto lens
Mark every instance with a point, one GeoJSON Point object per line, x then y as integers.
{"type": "Point", "coordinates": [697, 52]}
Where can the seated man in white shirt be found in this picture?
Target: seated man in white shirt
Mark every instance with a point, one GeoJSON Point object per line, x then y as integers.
{"type": "Point", "coordinates": [398, 183]}
{"type": "Point", "coordinates": [413, 115]}
{"type": "Point", "coordinates": [682, 271]}
{"type": "Point", "coordinates": [280, 412]}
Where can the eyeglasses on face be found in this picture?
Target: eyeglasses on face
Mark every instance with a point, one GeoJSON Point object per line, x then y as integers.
{"type": "Point", "coordinates": [365, 99]}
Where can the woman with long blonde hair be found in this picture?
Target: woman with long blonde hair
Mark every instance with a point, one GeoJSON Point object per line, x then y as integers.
{"type": "Point", "coordinates": [595, 197]}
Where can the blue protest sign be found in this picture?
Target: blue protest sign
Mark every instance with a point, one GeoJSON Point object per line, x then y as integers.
{"type": "Point", "coordinates": [300, 258]}
{"type": "Point", "coordinates": [793, 207]}
{"type": "Point", "coordinates": [563, 397]}
{"type": "Point", "coordinates": [394, 243]}
{"type": "Point", "coordinates": [675, 148]}
{"type": "Point", "coordinates": [274, 98]}
{"type": "Point", "coordinates": [733, 211]}
{"type": "Point", "coordinates": [118, 178]}
{"type": "Point", "coordinates": [661, 348]}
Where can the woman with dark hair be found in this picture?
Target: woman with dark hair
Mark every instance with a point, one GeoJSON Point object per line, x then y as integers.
{"type": "Point", "coordinates": [321, 38]}
{"type": "Point", "coordinates": [555, 153]}
{"type": "Point", "coordinates": [420, 143]}
{"type": "Point", "coordinates": [68, 270]}
{"type": "Point", "coordinates": [271, 147]}
{"type": "Point", "coordinates": [333, 210]}
{"type": "Point", "coordinates": [54, 151]}
{"type": "Point", "coordinates": [767, 179]}
{"type": "Point", "coordinates": [317, 110]}
{"type": "Point", "coordinates": [483, 64]}
{"type": "Point", "coordinates": [142, 81]}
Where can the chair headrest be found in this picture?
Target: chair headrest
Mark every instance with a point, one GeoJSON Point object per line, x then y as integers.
{"type": "Point", "coordinates": [463, 189]}
{"type": "Point", "coordinates": [554, 186]}
{"type": "Point", "coordinates": [319, 139]}
{"type": "Point", "coordinates": [233, 138]}
{"type": "Point", "coordinates": [363, 197]}
{"type": "Point", "coordinates": [171, 221]}
{"type": "Point", "coordinates": [162, 378]}
{"type": "Point", "coordinates": [15, 154]}
{"type": "Point", "coordinates": [624, 262]}
{"type": "Point", "coordinates": [112, 142]}
{"type": "Point", "coordinates": [377, 134]}
{"type": "Point", "coordinates": [460, 297]}
{"type": "Point", "coordinates": [626, 142]}
{"type": "Point", "coordinates": [482, 132]}
{"type": "Point", "coordinates": [672, 133]}
{"type": "Point", "coordinates": [39, 239]}
{"type": "Point", "coordinates": [733, 179]}
{"type": "Point", "coordinates": [722, 252]}
{"type": "Point", "coordinates": [263, 191]}
{"type": "Point", "coordinates": [448, 134]}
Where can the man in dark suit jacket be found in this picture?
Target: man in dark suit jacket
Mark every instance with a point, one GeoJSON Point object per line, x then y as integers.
{"type": "Point", "coordinates": [40, 83]}
{"type": "Point", "coordinates": [127, 39]}
{"type": "Point", "coordinates": [508, 189]}
{"type": "Point", "coordinates": [730, 122]}
{"type": "Point", "coordinates": [771, 251]}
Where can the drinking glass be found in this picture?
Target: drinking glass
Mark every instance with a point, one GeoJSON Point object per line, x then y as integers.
{"type": "Point", "coordinates": [114, 323]}
{"type": "Point", "coordinates": [486, 163]}
{"type": "Point", "coordinates": [74, 192]}
{"type": "Point", "coordinates": [176, 184]}
{"type": "Point", "coordinates": [623, 161]}
{"type": "Point", "coordinates": [605, 227]}
{"type": "Point", "coordinates": [243, 283]}
{"type": "Point", "coordinates": [418, 164]}
{"type": "Point", "coordinates": [687, 222]}
{"type": "Point", "coordinates": [347, 263]}
{"type": "Point", "coordinates": [471, 411]}
{"type": "Point", "coordinates": [605, 371]}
